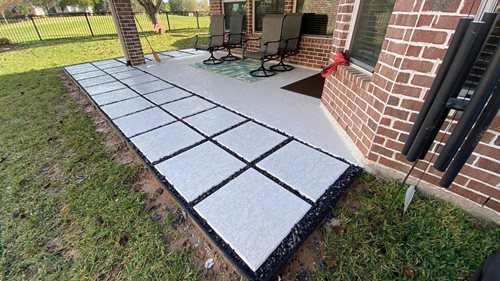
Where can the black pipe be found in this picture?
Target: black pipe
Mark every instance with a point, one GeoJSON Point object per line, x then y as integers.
{"type": "Point", "coordinates": [458, 36]}
{"type": "Point", "coordinates": [472, 111]}
{"type": "Point", "coordinates": [451, 86]}
{"type": "Point", "coordinates": [482, 124]}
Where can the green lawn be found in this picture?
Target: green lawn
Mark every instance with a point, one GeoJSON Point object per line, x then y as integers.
{"type": "Point", "coordinates": [77, 26]}
{"type": "Point", "coordinates": [66, 206]}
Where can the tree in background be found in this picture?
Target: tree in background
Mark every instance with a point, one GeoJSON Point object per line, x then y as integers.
{"type": "Point", "coordinates": [45, 4]}
{"type": "Point", "coordinates": [152, 9]}
{"type": "Point", "coordinates": [4, 6]}
{"type": "Point", "coordinates": [188, 5]}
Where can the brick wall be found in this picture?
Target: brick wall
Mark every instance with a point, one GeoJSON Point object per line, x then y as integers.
{"type": "Point", "coordinates": [125, 24]}
{"type": "Point", "coordinates": [377, 111]}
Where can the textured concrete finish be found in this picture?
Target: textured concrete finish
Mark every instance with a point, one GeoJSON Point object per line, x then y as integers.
{"type": "Point", "coordinates": [97, 80]}
{"type": "Point", "coordinates": [81, 68]}
{"type": "Point", "coordinates": [208, 165]}
{"type": "Point", "coordinates": [99, 89]}
{"type": "Point", "coordinates": [127, 74]}
{"type": "Point", "coordinates": [264, 100]}
{"type": "Point", "coordinates": [214, 120]}
{"type": "Point", "coordinates": [187, 106]}
{"type": "Point", "coordinates": [166, 140]}
{"type": "Point", "coordinates": [108, 64]}
{"type": "Point", "coordinates": [118, 69]}
{"type": "Point", "coordinates": [305, 169]}
{"type": "Point", "coordinates": [175, 54]}
{"type": "Point", "coordinates": [114, 96]}
{"type": "Point", "coordinates": [250, 140]}
{"type": "Point", "coordinates": [90, 74]}
{"type": "Point", "coordinates": [125, 107]}
{"type": "Point", "coordinates": [140, 79]}
{"type": "Point", "coordinates": [150, 87]}
{"type": "Point", "coordinates": [167, 95]}
{"type": "Point", "coordinates": [142, 121]}
{"type": "Point", "coordinates": [253, 215]}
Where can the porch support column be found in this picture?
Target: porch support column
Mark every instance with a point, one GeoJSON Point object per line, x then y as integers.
{"type": "Point", "coordinates": [123, 18]}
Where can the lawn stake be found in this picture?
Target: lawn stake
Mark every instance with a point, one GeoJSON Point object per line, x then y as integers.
{"type": "Point", "coordinates": [155, 55]}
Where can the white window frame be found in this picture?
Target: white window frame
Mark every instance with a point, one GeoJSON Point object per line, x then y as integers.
{"type": "Point", "coordinates": [484, 7]}
{"type": "Point", "coordinates": [348, 43]}
{"type": "Point", "coordinates": [253, 15]}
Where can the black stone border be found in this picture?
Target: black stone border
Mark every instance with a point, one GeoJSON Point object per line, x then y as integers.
{"type": "Point", "coordinates": [298, 234]}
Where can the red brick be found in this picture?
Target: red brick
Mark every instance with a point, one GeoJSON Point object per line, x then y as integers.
{"type": "Point", "coordinates": [429, 36]}
{"type": "Point", "coordinates": [489, 165]}
{"type": "Point", "coordinates": [485, 189]}
{"type": "Point", "coordinates": [493, 204]}
{"type": "Point", "coordinates": [422, 80]}
{"type": "Point", "coordinates": [417, 65]}
{"type": "Point", "coordinates": [434, 53]}
{"type": "Point", "coordinates": [476, 197]}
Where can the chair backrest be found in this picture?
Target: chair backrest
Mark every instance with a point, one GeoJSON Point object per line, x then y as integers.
{"type": "Point", "coordinates": [217, 30]}
{"type": "Point", "coordinates": [291, 29]}
{"type": "Point", "coordinates": [236, 30]}
{"type": "Point", "coordinates": [271, 31]}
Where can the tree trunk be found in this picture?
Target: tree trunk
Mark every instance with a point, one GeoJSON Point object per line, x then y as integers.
{"type": "Point", "coordinates": [4, 18]}
{"type": "Point", "coordinates": [155, 19]}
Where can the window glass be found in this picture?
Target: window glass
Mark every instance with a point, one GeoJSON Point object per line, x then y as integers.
{"type": "Point", "coordinates": [482, 60]}
{"type": "Point", "coordinates": [233, 8]}
{"type": "Point", "coordinates": [263, 7]}
{"type": "Point", "coordinates": [319, 16]}
{"type": "Point", "coordinates": [369, 32]}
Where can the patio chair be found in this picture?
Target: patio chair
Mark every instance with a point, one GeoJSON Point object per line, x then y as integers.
{"type": "Point", "coordinates": [235, 37]}
{"type": "Point", "coordinates": [216, 39]}
{"type": "Point", "coordinates": [270, 42]}
{"type": "Point", "coordinates": [290, 37]}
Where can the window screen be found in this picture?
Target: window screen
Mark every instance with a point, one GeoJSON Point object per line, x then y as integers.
{"type": "Point", "coordinates": [234, 8]}
{"type": "Point", "coordinates": [369, 31]}
{"type": "Point", "coordinates": [263, 7]}
{"type": "Point", "coordinates": [319, 16]}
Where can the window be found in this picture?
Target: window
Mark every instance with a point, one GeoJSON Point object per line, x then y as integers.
{"type": "Point", "coordinates": [486, 54]}
{"type": "Point", "coordinates": [233, 7]}
{"type": "Point", "coordinates": [263, 7]}
{"type": "Point", "coordinates": [371, 24]}
{"type": "Point", "coordinates": [319, 16]}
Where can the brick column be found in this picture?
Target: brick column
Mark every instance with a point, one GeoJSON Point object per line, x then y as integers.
{"type": "Point", "coordinates": [123, 18]}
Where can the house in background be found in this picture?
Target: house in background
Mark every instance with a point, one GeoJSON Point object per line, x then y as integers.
{"type": "Point", "coordinates": [396, 49]}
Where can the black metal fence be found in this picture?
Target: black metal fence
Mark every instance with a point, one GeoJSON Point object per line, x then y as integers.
{"type": "Point", "coordinates": [67, 25]}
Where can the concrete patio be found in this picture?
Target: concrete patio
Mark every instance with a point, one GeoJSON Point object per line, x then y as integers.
{"type": "Point", "coordinates": [256, 167]}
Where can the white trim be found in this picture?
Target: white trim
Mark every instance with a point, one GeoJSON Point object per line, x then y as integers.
{"type": "Point", "coordinates": [253, 16]}
{"type": "Point", "coordinates": [360, 69]}
{"type": "Point", "coordinates": [484, 7]}
{"type": "Point", "coordinates": [354, 17]}
{"type": "Point", "coordinates": [232, 1]}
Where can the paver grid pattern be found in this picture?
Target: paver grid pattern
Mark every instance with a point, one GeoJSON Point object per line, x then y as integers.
{"type": "Point", "coordinates": [229, 169]}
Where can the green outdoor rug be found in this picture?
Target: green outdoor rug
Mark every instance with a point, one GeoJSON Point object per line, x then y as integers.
{"type": "Point", "coordinates": [239, 69]}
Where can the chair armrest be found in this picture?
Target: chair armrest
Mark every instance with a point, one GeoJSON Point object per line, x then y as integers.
{"type": "Point", "coordinates": [291, 39]}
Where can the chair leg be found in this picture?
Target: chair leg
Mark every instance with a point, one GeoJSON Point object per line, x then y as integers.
{"type": "Point", "coordinates": [262, 71]}
{"type": "Point", "coordinates": [229, 56]}
{"type": "Point", "coordinates": [212, 60]}
{"type": "Point", "coordinates": [281, 66]}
